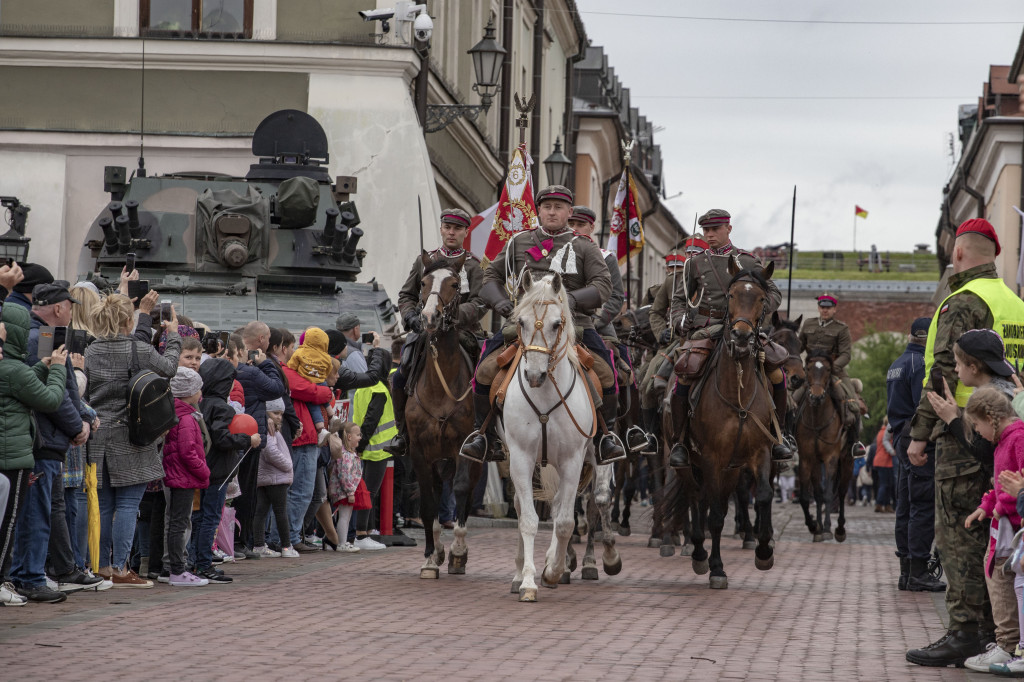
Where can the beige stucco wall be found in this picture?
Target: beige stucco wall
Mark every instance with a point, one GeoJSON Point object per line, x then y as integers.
{"type": "Point", "coordinates": [71, 17]}
{"type": "Point", "coordinates": [1007, 222]}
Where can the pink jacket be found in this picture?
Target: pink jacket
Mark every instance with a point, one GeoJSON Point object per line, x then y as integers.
{"type": "Point", "coordinates": [275, 462]}
{"type": "Point", "coordinates": [1009, 455]}
{"type": "Point", "coordinates": [184, 456]}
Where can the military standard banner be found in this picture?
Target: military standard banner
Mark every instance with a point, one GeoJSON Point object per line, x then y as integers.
{"type": "Point", "coordinates": [516, 209]}
{"type": "Point", "coordinates": [627, 234]}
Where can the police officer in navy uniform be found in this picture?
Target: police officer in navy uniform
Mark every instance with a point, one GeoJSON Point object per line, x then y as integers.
{"type": "Point", "coordinates": [454, 229]}
{"type": "Point", "coordinates": [552, 247]}
{"type": "Point", "coordinates": [915, 485]}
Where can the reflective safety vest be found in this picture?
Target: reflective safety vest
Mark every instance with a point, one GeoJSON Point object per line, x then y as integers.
{"type": "Point", "coordinates": [386, 429]}
{"type": "Point", "coordinates": [1008, 321]}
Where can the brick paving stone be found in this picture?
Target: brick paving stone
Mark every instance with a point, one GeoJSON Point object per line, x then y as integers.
{"type": "Point", "coordinates": [826, 611]}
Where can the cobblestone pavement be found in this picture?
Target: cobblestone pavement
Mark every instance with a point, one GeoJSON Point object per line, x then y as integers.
{"type": "Point", "coordinates": [826, 611]}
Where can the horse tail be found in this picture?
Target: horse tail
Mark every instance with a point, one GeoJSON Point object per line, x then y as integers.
{"type": "Point", "coordinates": [545, 484]}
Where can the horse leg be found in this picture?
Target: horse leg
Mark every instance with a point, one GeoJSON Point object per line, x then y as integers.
{"type": "Point", "coordinates": [689, 520]}
{"type": "Point", "coordinates": [610, 560]}
{"type": "Point", "coordinates": [743, 509]}
{"type": "Point", "coordinates": [629, 480]}
{"type": "Point", "coordinates": [827, 486]}
{"type": "Point", "coordinates": [467, 472]}
{"type": "Point", "coordinates": [428, 513]}
{"type": "Point", "coordinates": [819, 501]}
{"type": "Point", "coordinates": [764, 554]}
{"type": "Point", "coordinates": [842, 483]}
{"type": "Point", "coordinates": [561, 513]}
{"type": "Point", "coordinates": [699, 557]}
{"type": "Point", "coordinates": [657, 484]}
{"type": "Point", "coordinates": [521, 469]}
{"type": "Point", "coordinates": [589, 570]}
{"type": "Point", "coordinates": [716, 521]}
{"type": "Point", "coordinates": [517, 580]}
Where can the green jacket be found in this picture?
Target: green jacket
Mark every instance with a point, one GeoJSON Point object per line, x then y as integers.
{"type": "Point", "coordinates": [23, 389]}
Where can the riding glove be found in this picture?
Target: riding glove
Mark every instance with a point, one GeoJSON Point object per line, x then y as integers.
{"type": "Point", "coordinates": [504, 308]}
{"type": "Point", "coordinates": [666, 336]}
{"type": "Point", "coordinates": [413, 323]}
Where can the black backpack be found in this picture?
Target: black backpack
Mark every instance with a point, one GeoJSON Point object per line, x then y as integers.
{"type": "Point", "coordinates": [150, 404]}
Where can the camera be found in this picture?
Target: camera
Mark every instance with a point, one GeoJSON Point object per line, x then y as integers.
{"type": "Point", "coordinates": [367, 337]}
{"type": "Point", "coordinates": [423, 27]}
{"type": "Point", "coordinates": [253, 354]}
{"type": "Point", "coordinates": [211, 344]}
{"type": "Point", "coordinates": [376, 14]}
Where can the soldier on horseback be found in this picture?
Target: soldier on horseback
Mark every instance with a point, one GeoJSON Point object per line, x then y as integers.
{"type": "Point", "coordinates": [550, 248]}
{"type": "Point", "coordinates": [701, 295]}
{"type": "Point", "coordinates": [826, 333]}
{"type": "Point", "coordinates": [454, 229]}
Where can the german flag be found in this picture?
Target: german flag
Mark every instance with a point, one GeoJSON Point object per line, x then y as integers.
{"type": "Point", "coordinates": [861, 213]}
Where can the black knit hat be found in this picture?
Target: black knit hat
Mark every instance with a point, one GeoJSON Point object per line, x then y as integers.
{"type": "Point", "coordinates": [34, 274]}
{"type": "Point", "coordinates": [336, 342]}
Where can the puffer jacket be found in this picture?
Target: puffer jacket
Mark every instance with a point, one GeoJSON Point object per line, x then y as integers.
{"type": "Point", "coordinates": [58, 428]}
{"type": "Point", "coordinates": [184, 457]}
{"type": "Point", "coordinates": [226, 448]}
{"type": "Point", "coordinates": [22, 389]}
{"type": "Point", "coordinates": [261, 383]}
{"type": "Point", "coordinates": [275, 462]}
{"type": "Point", "coordinates": [303, 394]}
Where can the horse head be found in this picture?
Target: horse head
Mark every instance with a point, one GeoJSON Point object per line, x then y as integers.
{"type": "Point", "coordinates": [439, 292]}
{"type": "Point", "coordinates": [786, 333]}
{"type": "Point", "coordinates": [819, 375]}
{"type": "Point", "coordinates": [542, 316]}
{"type": "Point", "coordinates": [748, 298]}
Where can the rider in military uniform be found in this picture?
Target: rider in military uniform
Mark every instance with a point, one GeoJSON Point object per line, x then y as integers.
{"type": "Point", "coordinates": [550, 248]}
{"type": "Point", "coordinates": [454, 228]}
{"type": "Point", "coordinates": [706, 279]}
{"type": "Point", "coordinates": [980, 300]}
{"type": "Point", "coordinates": [826, 333]}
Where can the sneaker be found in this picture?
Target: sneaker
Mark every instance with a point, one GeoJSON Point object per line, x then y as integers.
{"type": "Point", "coordinates": [165, 577]}
{"type": "Point", "coordinates": [78, 580]}
{"type": "Point", "coordinates": [103, 584]}
{"type": "Point", "coordinates": [368, 544]}
{"type": "Point", "coordinates": [10, 597]}
{"type": "Point", "coordinates": [287, 553]}
{"type": "Point", "coordinates": [264, 551]}
{"type": "Point", "coordinates": [994, 655]}
{"type": "Point", "coordinates": [187, 579]}
{"type": "Point", "coordinates": [249, 553]}
{"type": "Point", "coordinates": [223, 556]}
{"type": "Point", "coordinates": [1012, 668]}
{"type": "Point", "coordinates": [214, 577]}
{"type": "Point", "coordinates": [68, 589]}
{"type": "Point", "coordinates": [303, 547]}
{"type": "Point", "coordinates": [347, 547]}
{"type": "Point", "coordinates": [313, 540]}
{"type": "Point", "coordinates": [130, 579]}
{"type": "Point", "coordinates": [42, 593]}
{"type": "Point", "coordinates": [240, 555]}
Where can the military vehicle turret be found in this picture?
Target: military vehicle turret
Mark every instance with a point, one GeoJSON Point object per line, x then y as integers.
{"type": "Point", "coordinates": [279, 245]}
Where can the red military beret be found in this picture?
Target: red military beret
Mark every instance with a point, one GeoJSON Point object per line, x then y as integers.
{"type": "Point", "coordinates": [982, 227]}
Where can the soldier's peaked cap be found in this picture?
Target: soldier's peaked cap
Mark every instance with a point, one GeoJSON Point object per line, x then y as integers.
{"type": "Point", "coordinates": [455, 216]}
{"type": "Point", "coordinates": [555, 192]}
{"type": "Point", "coordinates": [583, 213]}
{"type": "Point", "coordinates": [714, 217]}
{"type": "Point", "coordinates": [827, 300]}
{"type": "Point", "coordinates": [982, 227]}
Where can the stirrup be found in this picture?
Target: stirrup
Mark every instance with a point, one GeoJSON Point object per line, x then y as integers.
{"type": "Point", "coordinates": [487, 444]}
{"type": "Point", "coordinates": [615, 439]}
{"type": "Point", "coordinates": [651, 447]}
{"type": "Point", "coordinates": [686, 455]}
{"type": "Point", "coordinates": [639, 435]}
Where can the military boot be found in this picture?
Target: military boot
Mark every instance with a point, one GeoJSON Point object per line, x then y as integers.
{"type": "Point", "coordinates": [781, 451]}
{"type": "Point", "coordinates": [920, 580]}
{"type": "Point", "coordinates": [904, 573]}
{"type": "Point", "coordinates": [955, 647]}
{"type": "Point", "coordinates": [650, 420]}
{"type": "Point", "coordinates": [679, 456]}
{"type": "Point", "coordinates": [476, 444]}
{"type": "Point", "coordinates": [609, 447]}
{"type": "Point", "coordinates": [400, 443]}
{"type": "Point", "coordinates": [636, 438]}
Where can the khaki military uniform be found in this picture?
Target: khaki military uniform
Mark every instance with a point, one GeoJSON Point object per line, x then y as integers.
{"type": "Point", "coordinates": [832, 337]}
{"type": "Point", "coordinates": [959, 480]}
{"type": "Point", "coordinates": [471, 307]}
{"type": "Point", "coordinates": [650, 396]}
{"type": "Point", "coordinates": [613, 306]}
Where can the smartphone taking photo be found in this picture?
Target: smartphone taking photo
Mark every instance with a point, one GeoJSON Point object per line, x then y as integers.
{"type": "Point", "coordinates": [253, 354]}
{"type": "Point", "coordinates": [137, 288]}
{"type": "Point", "coordinates": [367, 337]}
{"type": "Point", "coordinates": [46, 345]}
{"type": "Point", "coordinates": [129, 263]}
{"type": "Point", "coordinates": [77, 341]}
{"type": "Point", "coordinates": [165, 311]}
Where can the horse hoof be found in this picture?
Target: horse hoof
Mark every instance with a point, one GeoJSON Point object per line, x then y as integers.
{"type": "Point", "coordinates": [700, 567]}
{"type": "Point", "coordinates": [550, 584]}
{"type": "Point", "coordinates": [653, 543]}
{"type": "Point", "coordinates": [565, 579]}
{"type": "Point", "coordinates": [827, 534]}
{"type": "Point", "coordinates": [686, 550]}
{"type": "Point", "coordinates": [676, 541]}
{"type": "Point", "coordinates": [428, 573]}
{"type": "Point", "coordinates": [582, 527]}
{"type": "Point", "coordinates": [528, 594]}
{"type": "Point", "coordinates": [516, 584]}
{"type": "Point", "coordinates": [737, 536]}
{"type": "Point", "coordinates": [457, 564]}
{"type": "Point", "coordinates": [749, 544]}
{"type": "Point", "coordinates": [840, 535]}
{"type": "Point", "coordinates": [719, 582]}
{"type": "Point", "coordinates": [589, 573]}
{"type": "Point", "coordinates": [667, 550]}
{"type": "Point", "coordinates": [764, 564]}
{"type": "Point", "coordinates": [819, 537]}
{"type": "Point", "coordinates": [613, 568]}
{"type": "Point", "coordinates": [440, 555]}
{"type": "Point", "coordinates": [575, 539]}
{"type": "Point", "coordinates": [571, 566]}
{"type": "Point", "coordinates": [614, 525]}
{"type": "Point", "coordinates": [625, 531]}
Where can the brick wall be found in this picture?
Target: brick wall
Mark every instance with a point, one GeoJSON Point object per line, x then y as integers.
{"type": "Point", "coordinates": [884, 316]}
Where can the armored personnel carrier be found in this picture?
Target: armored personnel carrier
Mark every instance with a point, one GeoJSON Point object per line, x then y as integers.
{"type": "Point", "coordinates": [279, 245]}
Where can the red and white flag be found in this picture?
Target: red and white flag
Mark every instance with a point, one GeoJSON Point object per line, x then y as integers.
{"type": "Point", "coordinates": [627, 234]}
{"type": "Point", "coordinates": [480, 230]}
{"type": "Point", "coordinates": [515, 210]}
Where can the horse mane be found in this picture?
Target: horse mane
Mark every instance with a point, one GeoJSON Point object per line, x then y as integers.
{"type": "Point", "coordinates": [819, 354]}
{"type": "Point", "coordinates": [543, 290]}
{"type": "Point", "coordinates": [440, 263]}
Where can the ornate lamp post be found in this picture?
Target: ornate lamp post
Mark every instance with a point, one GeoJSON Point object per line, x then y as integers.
{"type": "Point", "coordinates": [487, 56]}
{"type": "Point", "coordinates": [557, 165]}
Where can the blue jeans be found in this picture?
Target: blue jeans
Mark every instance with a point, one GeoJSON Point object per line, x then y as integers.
{"type": "Point", "coordinates": [32, 530]}
{"type": "Point", "coordinates": [301, 491]}
{"type": "Point", "coordinates": [211, 506]}
{"type": "Point", "coordinates": [81, 531]}
{"type": "Point", "coordinates": [71, 514]}
{"type": "Point", "coordinates": [885, 486]}
{"type": "Point", "coordinates": [119, 511]}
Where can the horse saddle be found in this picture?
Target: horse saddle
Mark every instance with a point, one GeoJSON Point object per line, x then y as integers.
{"type": "Point", "coordinates": [508, 361]}
{"type": "Point", "coordinates": [775, 355]}
{"type": "Point", "coordinates": [693, 357]}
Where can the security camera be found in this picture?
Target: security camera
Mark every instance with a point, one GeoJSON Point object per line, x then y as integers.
{"type": "Point", "coordinates": [376, 14]}
{"type": "Point", "coordinates": [423, 27]}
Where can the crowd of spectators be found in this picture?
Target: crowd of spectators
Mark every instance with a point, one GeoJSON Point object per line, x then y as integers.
{"type": "Point", "coordinates": [82, 507]}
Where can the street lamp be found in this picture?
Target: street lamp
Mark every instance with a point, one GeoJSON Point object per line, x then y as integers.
{"type": "Point", "coordinates": [488, 57]}
{"type": "Point", "coordinates": [557, 165]}
{"type": "Point", "coordinates": [14, 243]}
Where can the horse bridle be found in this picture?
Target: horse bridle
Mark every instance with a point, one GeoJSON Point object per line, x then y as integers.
{"type": "Point", "coordinates": [551, 350]}
{"type": "Point", "coordinates": [730, 323]}
{"type": "Point", "coordinates": [449, 309]}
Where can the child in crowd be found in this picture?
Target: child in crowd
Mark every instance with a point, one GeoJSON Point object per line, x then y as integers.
{"type": "Point", "coordinates": [345, 474]}
{"type": "Point", "coordinates": [991, 415]}
{"type": "Point", "coordinates": [191, 353]}
{"type": "Point", "coordinates": [272, 481]}
{"type": "Point", "coordinates": [185, 470]}
{"type": "Point", "coordinates": [1012, 483]}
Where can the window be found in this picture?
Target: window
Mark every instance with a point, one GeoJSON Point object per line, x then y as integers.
{"type": "Point", "coordinates": [195, 18]}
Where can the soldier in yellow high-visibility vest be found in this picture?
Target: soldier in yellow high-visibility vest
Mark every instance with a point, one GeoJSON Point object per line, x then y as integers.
{"type": "Point", "coordinates": [980, 300]}
{"type": "Point", "coordinates": [372, 410]}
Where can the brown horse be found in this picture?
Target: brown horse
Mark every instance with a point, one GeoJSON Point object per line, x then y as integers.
{"type": "Point", "coordinates": [730, 431]}
{"type": "Point", "coordinates": [439, 416]}
{"type": "Point", "coordinates": [826, 465]}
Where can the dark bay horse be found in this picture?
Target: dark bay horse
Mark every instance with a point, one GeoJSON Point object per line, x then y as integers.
{"type": "Point", "coordinates": [440, 417]}
{"type": "Point", "coordinates": [730, 432]}
{"type": "Point", "coordinates": [826, 466]}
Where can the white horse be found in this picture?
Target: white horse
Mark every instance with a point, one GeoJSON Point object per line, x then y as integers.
{"type": "Point", "coordinates": [547, 416]}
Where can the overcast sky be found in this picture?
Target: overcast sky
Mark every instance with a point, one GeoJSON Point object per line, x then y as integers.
{"type": "Point", "coordinates": [890, 156]}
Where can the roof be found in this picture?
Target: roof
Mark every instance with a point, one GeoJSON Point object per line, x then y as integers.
{"type": "Point", "coordinates": [1018, 62]}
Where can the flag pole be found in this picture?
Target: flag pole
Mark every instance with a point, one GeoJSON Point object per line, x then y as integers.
{"type": "Point", "coordinates": [627, 149]}
{"type": "Point", "coordinates": [789, 281]}
{"type": "Point", "coordinates": [854, 230]}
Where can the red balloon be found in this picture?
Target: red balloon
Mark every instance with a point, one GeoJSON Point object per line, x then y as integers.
{"type": "Point", "coordinates": [243, 423]}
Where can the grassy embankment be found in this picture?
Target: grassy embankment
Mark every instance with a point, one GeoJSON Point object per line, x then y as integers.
{"type": "Point", "coordinates": [811, 265]}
